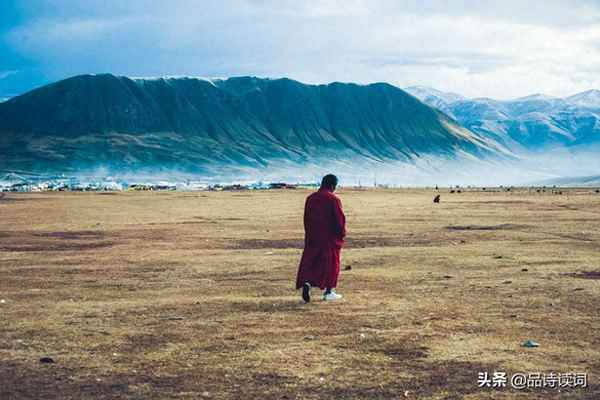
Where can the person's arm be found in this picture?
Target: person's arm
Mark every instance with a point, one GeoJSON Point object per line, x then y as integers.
{"type": "Point", "coordinates": [306, 215]}
{"type": "Point", "coordinates": [340, 218]}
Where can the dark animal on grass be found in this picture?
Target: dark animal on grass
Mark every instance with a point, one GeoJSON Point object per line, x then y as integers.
{"type": "Point", "coordinates": [436, 199]}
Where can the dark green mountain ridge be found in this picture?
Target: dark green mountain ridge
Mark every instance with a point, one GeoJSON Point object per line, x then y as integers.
{"type": "Point", "coordinates": [199, 125]}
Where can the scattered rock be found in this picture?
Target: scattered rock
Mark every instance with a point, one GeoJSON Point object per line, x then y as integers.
{"type": "Point", "coordinates": [310, 337]}
{"type": "Point", "coordinates": [513, 315]}
{"type": "Point", "coordinates": [205, 394]}
{"type": "Point", "coordinates": [175, 318]}
{"type": "Point", "coordinates": [577, 289]}
{"type": "Point", "coordinates": [47, 360]}
{"type": "Point", "coordinates": [448, 277]}
{"type": "Point", "coordinates": [530, 343]}
{"type": "Point", "coordinates": [507, 282]}
{"type": "Point", "coordinates": [2, 301]}
{"type": "Point", "coordinates": [348, 268]}
{"type": "Point", "coordinates": [524, 270]}
{"type": "Point", "coordinates": [498, 257]}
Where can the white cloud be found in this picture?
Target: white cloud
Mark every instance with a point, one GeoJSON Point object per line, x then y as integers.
{"type": "Point", "coordinates": [495, 49]}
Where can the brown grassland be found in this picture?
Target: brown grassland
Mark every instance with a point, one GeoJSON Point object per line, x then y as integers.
{"type": "Point", "coordinates": [187, 295]}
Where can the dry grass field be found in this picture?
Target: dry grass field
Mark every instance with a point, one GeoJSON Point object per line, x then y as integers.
{"type": "Point", "coordinates": [190, 295]}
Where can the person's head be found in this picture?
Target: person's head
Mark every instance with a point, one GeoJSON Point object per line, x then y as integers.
{"type": "Point", "coordinates": [330, 182]}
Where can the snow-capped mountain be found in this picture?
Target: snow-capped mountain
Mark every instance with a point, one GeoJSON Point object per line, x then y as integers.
{"type": "Point", "coordinates": [588, 99]}
{"type": "Point", "coordinates": [534, 122]}
{"type": "Point", "coordinates": [433, 97]}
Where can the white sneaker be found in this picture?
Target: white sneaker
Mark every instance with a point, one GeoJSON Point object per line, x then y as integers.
{"type": "Point", "coordinates": [332, 296]}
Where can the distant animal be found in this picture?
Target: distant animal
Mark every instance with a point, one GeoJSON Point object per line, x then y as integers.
{"type": "Point", "coordinates": [436, 199]}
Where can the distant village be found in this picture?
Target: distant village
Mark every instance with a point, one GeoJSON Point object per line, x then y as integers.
{"type": "Point", "coordinates": [12, 182]}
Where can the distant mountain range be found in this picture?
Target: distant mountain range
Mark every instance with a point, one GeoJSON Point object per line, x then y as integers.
{"type": "Point", "coordinates": [532, 123]}
{"type": "Point", "coordinates": [202, 125]}
{"type": "Point", "coordinates": [593, 181]}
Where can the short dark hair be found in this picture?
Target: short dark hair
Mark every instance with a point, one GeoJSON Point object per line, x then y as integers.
{"type": "Point", "coordinates": [329, 180]}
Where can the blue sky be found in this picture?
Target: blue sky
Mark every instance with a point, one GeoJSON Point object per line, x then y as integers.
{"type": "Point", "coordinates": [499, 49]}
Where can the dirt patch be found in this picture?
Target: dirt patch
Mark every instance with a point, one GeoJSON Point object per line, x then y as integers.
{"type": "Point", "coordinates": [502, 202]}
{"type": "Point", "coordinates": [55, 247]}
{"type": "Point", "coordinates": [546, 262]}
{"type": "Point", "coordinates": [266, 244]}
{"type": "Point", "coordinates": [350, 242]}
{"type": "Point", "coordinates": [146, 343]}
{"type": "Point", "coordinates": [272, 379]}
{"type": "Point", "coordinates": [72, 235]}
{"type": "Point", "coordinates": [56, 381]}
{"type": "Point", "coordinates": [403, 353]}
{"type": "Point", "coordinates": [391, 241]}
{"type": "Point", "coordinates": [10, 199]}
{"type": "Point", "coordinates": [31, 241]}
{"type": "Point", "coordinates": [585, 274]}
{"type": "Point", "coordinates": [500, 227]}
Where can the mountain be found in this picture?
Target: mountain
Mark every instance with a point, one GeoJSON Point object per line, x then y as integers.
{"type": "Point", "coordinates": [433, 97]}
{"type": "Point", "coordinates": [588, 99]}
{"type": "Point", "coordinates": [203, 125]}
{"type": "Point", "coordinates": [531, 123]}
{"type": "Point", "coordinates": [574, 181]}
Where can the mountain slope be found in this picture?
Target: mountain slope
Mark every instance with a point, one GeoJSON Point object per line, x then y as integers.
{"type": "Point", "coordinates": [531, 123]}
{"type": "Point", "coordinates": [587, 99]}
{"type": "Point", "coordinates": [196, 125]}
{"type": "Point", "coordinates": [435, 98]}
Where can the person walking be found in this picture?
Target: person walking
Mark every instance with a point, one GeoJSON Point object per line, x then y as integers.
{"type": "Point", "coordinates": [324, 232]}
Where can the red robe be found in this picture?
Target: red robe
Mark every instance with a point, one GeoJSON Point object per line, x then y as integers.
{"type": "Point", "coordinates": [324, 232]}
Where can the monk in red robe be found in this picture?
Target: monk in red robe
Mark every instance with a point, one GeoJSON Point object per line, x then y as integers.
{"type": "Point", "coordinates": [325, 229]}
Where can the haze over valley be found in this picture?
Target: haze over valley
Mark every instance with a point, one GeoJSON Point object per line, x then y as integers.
{"type": "Point", "coordinates": [251, 129]}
